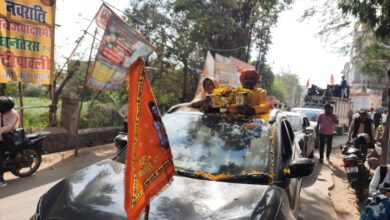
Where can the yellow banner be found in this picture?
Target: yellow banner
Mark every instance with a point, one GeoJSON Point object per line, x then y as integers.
{"type": "Point", "coordinates": [29, 11]}
{"type": "Point", "coordinates": [26, 41]}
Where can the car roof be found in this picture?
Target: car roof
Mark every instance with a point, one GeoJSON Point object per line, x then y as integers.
{"type": "Point", "coordinates": [186, 109]}
{"type": "Point", "coordinates": [308, 109]}
{"type": "Point", "coordinates": [297, 114]}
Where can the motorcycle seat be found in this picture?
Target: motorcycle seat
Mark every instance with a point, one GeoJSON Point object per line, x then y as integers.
{"type": "Point", "coordinates": [353, 151]}
{"type": "Point", "coordinates": [351, 157]}
{"type": "Point", "coordinates": [32, 136]}
{"type": "Point", "coordinates": [120, 140]}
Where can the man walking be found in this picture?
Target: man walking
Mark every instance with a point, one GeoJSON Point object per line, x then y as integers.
{"type": "Point", "coordinates": [325, 128]}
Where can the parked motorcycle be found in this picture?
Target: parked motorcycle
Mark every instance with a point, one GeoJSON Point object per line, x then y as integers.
{"type": "Point", "coordinates": [357, 174]}
{"type": "Point", "coordinates": [120, 141]}
{"type": "Point", "coordinates": [25, 158]}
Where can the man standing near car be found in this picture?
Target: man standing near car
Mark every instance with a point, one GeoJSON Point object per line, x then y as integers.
{"type": "Point", "coordinates": [327, 121]}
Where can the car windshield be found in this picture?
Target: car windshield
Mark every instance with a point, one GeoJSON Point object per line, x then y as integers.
{"type": "Point", "coordinates": [202, 143]}
{"type": "Point", "coordinates": [295, 122]}
{"type": "Point", "coordinates": [311, 115]}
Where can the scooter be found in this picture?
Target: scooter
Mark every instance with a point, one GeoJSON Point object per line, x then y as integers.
{"type": "Point", "coordinates": [357, 174]}
{"type": "Point", "coordinates": [120, 141]}
{"type": "Point", "coordinates": [25, 158]}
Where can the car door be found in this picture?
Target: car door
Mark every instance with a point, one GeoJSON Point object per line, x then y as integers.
{"type": "Point", "coordinates": [290, 150]}
{"type": "Point", "coordinates": [309, 138]}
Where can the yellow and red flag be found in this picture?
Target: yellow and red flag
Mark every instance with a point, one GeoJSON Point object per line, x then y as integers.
{"type": "Point", "coordinates": [149, 165]}
{"type": "Point", "coordinates": [308, 84]}
{"type": "Point", "coordinates": [332, 80]}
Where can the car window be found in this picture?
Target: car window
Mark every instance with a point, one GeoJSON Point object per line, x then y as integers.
{"type": "Point", "coordinates": [311, 115]}
{"type": "Point", "coordinates": [287, 138]}
{"type": "Point", "coordinates": [296, 122]}
{"type": "Point", "coordinates": [204, 143]}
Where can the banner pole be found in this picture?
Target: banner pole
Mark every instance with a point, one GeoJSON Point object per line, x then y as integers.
{"type": "Point", "coordinates": [146, 216]}
{"type": "Point", "coordinates": [21, 103]}
{"type": "Point", "coordinates": [83, 94]}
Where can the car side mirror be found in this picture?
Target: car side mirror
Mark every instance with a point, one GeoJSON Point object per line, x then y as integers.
{"type": "Point", "coordinates": [298, 168]}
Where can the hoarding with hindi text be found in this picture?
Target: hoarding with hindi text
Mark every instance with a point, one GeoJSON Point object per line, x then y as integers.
{"type": "Point", "coordinates": [26, 41]}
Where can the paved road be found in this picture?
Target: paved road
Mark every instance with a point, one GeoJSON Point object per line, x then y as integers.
{"type": "Point", "coordinates": [18, 200]}
{"type": "Point", "coordinates": [315, 201]}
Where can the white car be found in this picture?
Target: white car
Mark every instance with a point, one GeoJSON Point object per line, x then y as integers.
{"type": "Point", "coordinates": [312, 114]}
{"type": "Point", "coordinates": [303, 131]}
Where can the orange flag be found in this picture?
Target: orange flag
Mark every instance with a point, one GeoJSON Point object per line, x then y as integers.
{"type": "Point", "coordinates": [332, 80]}
{"type": "Point", "coordinates": [308, 84]}
{"type": "Point", "coordinates": [149, 165]}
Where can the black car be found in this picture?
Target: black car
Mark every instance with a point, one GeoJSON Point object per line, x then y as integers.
{"type": "Point", "coordinates": [261, 164]}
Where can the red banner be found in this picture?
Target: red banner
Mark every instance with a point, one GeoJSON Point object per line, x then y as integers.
{"type": "Point", "coordinates": [149, 165]}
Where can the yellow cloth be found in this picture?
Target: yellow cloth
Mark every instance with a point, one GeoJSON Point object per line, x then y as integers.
{"type": "Point", "coordinates": [258, 100]}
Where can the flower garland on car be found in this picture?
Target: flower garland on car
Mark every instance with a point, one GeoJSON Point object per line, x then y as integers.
{"type": "Point", "coordinates": [225, 91]}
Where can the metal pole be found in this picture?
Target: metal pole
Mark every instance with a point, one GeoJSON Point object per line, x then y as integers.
{"type": "Point", "coordinates": [82, 95]}
{"type": "Point", "coordinates": [146, 216]}
{"type": "Point", "coordinates": [21, 103]}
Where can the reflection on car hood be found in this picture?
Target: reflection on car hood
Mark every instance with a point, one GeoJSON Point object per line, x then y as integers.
{"type": "Point", "coordinates": [96, 192]}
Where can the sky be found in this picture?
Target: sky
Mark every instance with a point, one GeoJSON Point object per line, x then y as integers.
{"type": "Point", "coordinates": [295, 47]}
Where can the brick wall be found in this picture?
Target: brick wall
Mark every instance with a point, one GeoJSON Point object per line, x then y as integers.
{"type": "Point", "coordinates": [60, 139]}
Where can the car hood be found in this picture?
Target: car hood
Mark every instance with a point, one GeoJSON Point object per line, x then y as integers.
{"type": "Point", "coordinates": [97, 192]}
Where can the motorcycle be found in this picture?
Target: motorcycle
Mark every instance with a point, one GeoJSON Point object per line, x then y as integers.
{"type": "Point", "coordinates": [357, 174]}
{"type": "Point", "coordinates": [25, 158]}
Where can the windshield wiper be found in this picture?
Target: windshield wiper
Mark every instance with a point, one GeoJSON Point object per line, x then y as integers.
{"type": "Point", "coordinates": [248, 178]}
{"type": "Point", "coordinates": [190, 174]}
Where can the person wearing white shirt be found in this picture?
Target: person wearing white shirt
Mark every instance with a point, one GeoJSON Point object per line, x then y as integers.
{"type": "Point", "coordinates": [377, 182]}
{"type": "Point", "coordinates": [384, 117]}
{"type": "Point", "coordinates": [371, 113]}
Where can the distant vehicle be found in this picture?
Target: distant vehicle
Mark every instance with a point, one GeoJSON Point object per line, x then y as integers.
{"type": "Point", "coordinates": [303, 132]}
{"type": "Point", "coordinates": [312, 114]}
{"type": "Point", "coordinates": [341, 107]}
{"type": "Point", "coordinates": [262, 174]}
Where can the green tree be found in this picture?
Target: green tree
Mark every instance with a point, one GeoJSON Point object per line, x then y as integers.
{"type": "Point", "coordinates": [286, 88]}
{"type": "Point", "coordinates": [376, 17]}
{"type": "Point", "coordinates": [183, 31]}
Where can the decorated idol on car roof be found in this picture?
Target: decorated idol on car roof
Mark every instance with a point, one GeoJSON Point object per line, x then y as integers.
{"type": "Point", "coordinates": [246, 100]}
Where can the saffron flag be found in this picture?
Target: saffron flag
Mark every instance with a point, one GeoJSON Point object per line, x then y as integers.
{"type": "Point", "coordinates": [149, 165]}
{"type": "Point", "coordinates": [332, 80]}
{"type": "Point", "coordinates": [308, 84]}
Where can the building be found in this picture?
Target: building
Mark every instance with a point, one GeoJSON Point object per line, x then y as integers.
{"type": "Point", "coordinates": [365, 91]}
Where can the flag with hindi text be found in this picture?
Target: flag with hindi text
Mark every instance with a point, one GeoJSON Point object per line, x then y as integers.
{"type": "Point", "coordinates": [149, 165]}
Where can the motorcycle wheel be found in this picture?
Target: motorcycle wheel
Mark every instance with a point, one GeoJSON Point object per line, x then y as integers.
{"type": "Point", "coordinates": [359, 190]}
{"type": "Point", "coordinates": [30, 159]}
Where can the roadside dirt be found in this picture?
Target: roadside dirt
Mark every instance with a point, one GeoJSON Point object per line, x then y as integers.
{"type": "Point", "coordinates": [342, 196]}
